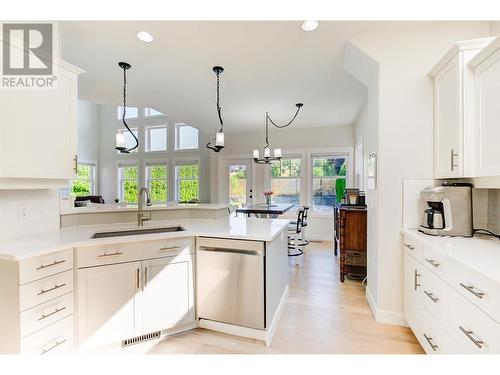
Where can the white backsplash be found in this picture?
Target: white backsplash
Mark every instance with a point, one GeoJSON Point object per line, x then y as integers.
{"type": "Point", "coordinates": [494, 210]}
{"type": "Point", "coordinates": [25, 212]}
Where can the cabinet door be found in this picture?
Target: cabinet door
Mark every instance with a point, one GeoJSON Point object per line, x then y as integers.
{"type": "Point", "coordinates": [108, 304]}
{"type": "Point", "coordinates": [448, 120]}
{"type": "Point", "coordinates": [412, 281]}
{"type": "Point", "coordinates": [487, 79]}
{"type": "Point", "coordinates": [38, 130]}
{"type": "Point", "coordinates": [168, 295]}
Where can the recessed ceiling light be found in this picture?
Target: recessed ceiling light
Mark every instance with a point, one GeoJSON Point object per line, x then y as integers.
{"type": "Point", "coordinates": [145, 36]}
{"type": "Point", "coordinates": [310, 25]}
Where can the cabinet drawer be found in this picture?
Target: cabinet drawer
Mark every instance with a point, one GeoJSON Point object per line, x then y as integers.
{"type": "Point", "coordinates": [55, 339]}
{"type": "Point", "coordinates": [433, 338]}
{"type": "Point", "coordinates": [37, 268]}
{"type": "Point", "coordinates": [132, 251]}
{"type": "Point", "coordinates": [472, 329]}
{"type": "Point", "coordinates": [40, 291]}
{"type": "Point", "coordinates": [436, 262]}
{"type": "Point", "coordinates": [46, 314]}
{"type": "Point", "coordinates": [412, 245]}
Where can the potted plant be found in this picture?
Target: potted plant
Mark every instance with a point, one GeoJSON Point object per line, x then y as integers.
{"type": "Point", "coordinates": [268, 195]}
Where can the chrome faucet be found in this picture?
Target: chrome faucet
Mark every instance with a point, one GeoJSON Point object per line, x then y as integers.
{"type": "Point", "coordinates": [140, 215]}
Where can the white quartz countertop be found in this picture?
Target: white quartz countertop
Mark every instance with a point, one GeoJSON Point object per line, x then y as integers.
{"type": "Point", "coordinates": [225, 227]}
{"type": "Point", "coordinates": [113, 207]}
{"type": "Point", "coordinates": [480, 253]}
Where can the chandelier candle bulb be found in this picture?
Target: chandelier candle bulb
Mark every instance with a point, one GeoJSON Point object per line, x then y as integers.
{"type": "Point", "coordinates": [256, 154]}
{"type": "Point", "coordinates": [267, 153]}
{"type": "Point", "coordinates": [219, 139]}
{"type": "Point", "coordinates": [277, 152]}
{"type": "Point", "coordinates": [120, 140]}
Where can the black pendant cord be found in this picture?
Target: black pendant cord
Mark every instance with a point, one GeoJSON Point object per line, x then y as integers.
{"type": "Point", "coordinates": [218, 70]}
{"type": "Point", "coordinates": [127, 150]}
{"type": "Point", "coordinates": [298, 105]}
{"type": "Point", "coordinates": [267, 130]}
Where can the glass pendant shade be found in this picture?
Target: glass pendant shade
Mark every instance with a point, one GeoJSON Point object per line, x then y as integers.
{"type": "Point", "coordinates": [219, 139]}
{"type": "Point", "coordinates": [120, 140]}
{"type": "Point", "coordinates": [277, 152]}
{"type": "Point", "coordinates": [267, 153]}
{"type": "Point", "coordinates": [256, 154]}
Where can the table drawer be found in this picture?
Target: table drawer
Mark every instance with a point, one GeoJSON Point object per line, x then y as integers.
{"type": "Point", "coordinates": [46, 265]}
{"type": "Point", "coordinates": [132, 251]}
{"type": "Point", "coordinates": [47, 313]}
{"type": "Point", "coordinates": [40, 291]}
{"type": "Point", "coordinates": [413, 245]}
{"type": "Point", "coordinates": [433, 338]}
{"type": "Point", "coordinates": [57, 338]}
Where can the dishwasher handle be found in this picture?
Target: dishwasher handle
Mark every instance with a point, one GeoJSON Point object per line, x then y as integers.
{"type": "Point", "coordinates": [229, 250]}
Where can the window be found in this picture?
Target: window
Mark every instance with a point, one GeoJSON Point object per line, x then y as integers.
{"type": "Point", "coordinates": [128, 183]}
{"type": "Point", "coordinates": [129, 139]}
{"type": "Point", "coordinates": [131, 113]}
{"type": "Point", "coordinates": [85, 181]}
{"type": "Point", "coordinates": [186, 137]}
{"type": "Point", "coordinates": [156, 138]}
{"type": "Point", "coordinates": [237, 184]}
{"type": "Point", "coordinates": [326, 170]}
{"type": "Point", "coordinates": [285, 180]}
{"type": "Point", "coordinates": [187, 182]}
{"type": "Point", "coordinates": [150, 112]}
{"type": "Point", "coordinates": [157, 182]}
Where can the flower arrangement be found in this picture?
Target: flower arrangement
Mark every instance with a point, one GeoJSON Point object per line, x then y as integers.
{"type": "Point", "coordinates": [268, 195]}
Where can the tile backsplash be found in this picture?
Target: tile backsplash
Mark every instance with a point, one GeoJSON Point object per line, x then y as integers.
{"type": "Point", "coordinates": [26, 212]}
{"type": "Point", "coordinates": [486, 209]}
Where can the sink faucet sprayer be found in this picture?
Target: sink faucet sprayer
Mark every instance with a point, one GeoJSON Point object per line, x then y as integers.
{"type": "Point", "coordinates": [140, 215]}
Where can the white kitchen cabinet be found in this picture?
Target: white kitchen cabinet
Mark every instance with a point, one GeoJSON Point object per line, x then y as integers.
{"type": "Point", "coordinates": [454, 151]}
{"type": "Point", "coordinates": [109, 304]}
{"type": "Point", "coordinates": [167, 298]}
{"type": "Point", "coordinates": [486, 66]}
{"type": "Point", "coordinates": [412, 285]}
{"type": "Point", "coordinates": [38, 133]}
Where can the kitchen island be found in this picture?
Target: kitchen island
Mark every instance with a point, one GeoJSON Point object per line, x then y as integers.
{"type": "Point", "coordinates": [121, 290]}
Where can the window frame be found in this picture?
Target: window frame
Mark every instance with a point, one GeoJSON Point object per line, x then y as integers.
{"type": "Point", "coordinates": [177, 138]}
{"type": "Point", "coordinates": [300, 178]}
{"type": "Point", "coordinates": [147, 137]}
{"type": "Point", "coordinates": [345, 154]}
{"type": "Point", "coordinates": [119, 110]}
{"type": "Point", "coordinates": [156, 163]}
{"type": "Point", "coordinates": [179, 163]}
{"type": "Point", "coordinates": [145, 116]}
{"type": "Point", "coordinates": [93, 179]}
{"type": "Point", "coordinates": [134, 163]}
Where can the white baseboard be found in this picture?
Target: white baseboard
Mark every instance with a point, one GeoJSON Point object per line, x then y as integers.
{"type": "Point", "coordinates": [252, 333]}
{"type": "Point", "coordinates": [384, 316]}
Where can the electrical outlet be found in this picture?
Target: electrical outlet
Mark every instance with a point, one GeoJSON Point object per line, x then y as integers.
{"type": "Point", "coordinates": [22, 213]}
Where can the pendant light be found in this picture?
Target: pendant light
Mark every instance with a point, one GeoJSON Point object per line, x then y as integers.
{"type": "Point", "coordinates": [219, 136]}
{"type": "Point", "coordinates": [120, 137]}
{"type": "Point", "coordinates": [277, 151]}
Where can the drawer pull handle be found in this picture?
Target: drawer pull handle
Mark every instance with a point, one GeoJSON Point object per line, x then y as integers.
{"type": "Point", "coordinates": [55, 263]}
{"type": "Point", "coordinates": [409, 246]}
{"type": "Point", "coordinates": [43, 291]}
{"type": "Point", "coordinates": [169, 248]}
{"type": "Point", "coordinates": [432, 262]}
{"type": "Point", "coordinates": [470, 288]}
{"type": "Point", "coordinates": [431, 296]}
{"type": "Point", "coordinates": [57, 343]}
{"type": "Point", "coordinates": [479, 343]}
{"type": "Point", "coordinates": [429, 340]}
{"type": "Point", "coordinates": [109, 254]}
{"type": "Point", "coordinates": [52, 313]}
{"type": "Point", "coordinates": [416, 284]}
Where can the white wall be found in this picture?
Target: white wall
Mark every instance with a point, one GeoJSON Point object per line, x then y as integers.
{"type": "Point", "coordinates": [404, 53]}
{"type": "Point", "coordinates": [88, 131]}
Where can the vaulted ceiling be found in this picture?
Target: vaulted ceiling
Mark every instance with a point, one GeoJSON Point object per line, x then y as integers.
{"type": "Point", "coordinates": [269, 66]}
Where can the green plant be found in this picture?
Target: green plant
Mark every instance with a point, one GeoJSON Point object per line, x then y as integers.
{"type": "Point", "coordinates": [340, 189]}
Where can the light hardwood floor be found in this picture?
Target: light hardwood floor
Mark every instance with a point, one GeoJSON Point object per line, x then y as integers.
{"type": "Point", "coordinates": [321, 315]}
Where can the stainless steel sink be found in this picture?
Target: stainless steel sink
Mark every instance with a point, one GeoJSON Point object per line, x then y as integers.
{"type": "Point", "coordinates": [133, 232]}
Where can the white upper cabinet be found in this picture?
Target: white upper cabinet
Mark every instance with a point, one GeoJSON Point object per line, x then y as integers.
{"type": "Point", "coordinates": [38, 132]}
{"type": "Point", "coordinates": [486, 67]}
{"type": "Point", "coordinates": [454, 111]}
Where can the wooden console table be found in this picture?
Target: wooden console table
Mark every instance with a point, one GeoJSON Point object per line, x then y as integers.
{"type": "Point", "coordinates": [350, 239]}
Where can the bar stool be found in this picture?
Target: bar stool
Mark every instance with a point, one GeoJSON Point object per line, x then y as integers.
{"type": "Point", "coordinates": [303, 240]}
{"type": "Point", "coordinates": [294, 232]}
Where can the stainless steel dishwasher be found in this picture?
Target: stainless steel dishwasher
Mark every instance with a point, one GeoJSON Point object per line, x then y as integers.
{"type": "Point", "coordinates": [230, 281]}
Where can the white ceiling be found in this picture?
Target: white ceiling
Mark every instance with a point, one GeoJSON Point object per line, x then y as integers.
{"type": "Point", "coordinates": [269, 66]}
